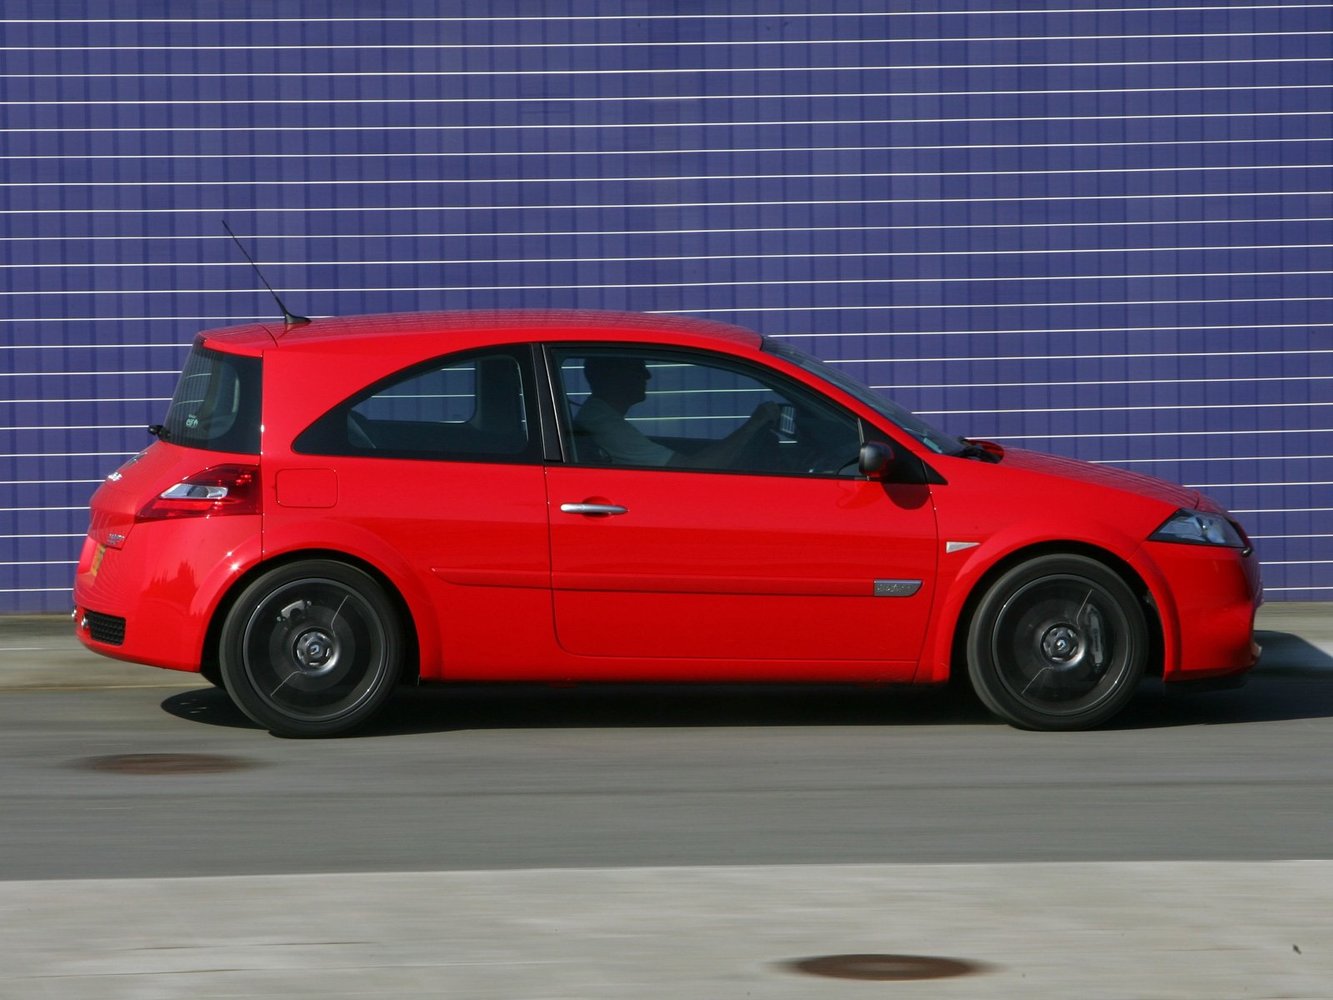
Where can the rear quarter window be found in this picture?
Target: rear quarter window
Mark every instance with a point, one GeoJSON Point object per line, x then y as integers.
{"type": "Point", "coordinates": [216, 405]}
{"type": "Point", "coordinates": [474, 407]}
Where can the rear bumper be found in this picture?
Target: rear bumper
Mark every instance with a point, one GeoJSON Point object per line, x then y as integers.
{"type": "Point", "coordinates": [151, 601]}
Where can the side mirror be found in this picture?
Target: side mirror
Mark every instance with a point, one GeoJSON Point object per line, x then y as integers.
{"type": "Point", "coordinates": [875, 460]}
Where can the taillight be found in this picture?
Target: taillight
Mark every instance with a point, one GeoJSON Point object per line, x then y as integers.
{"type": "Point", "coordinates": [215, 492]}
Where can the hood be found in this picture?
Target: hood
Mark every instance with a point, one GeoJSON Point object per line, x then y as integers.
{"type": "Point", "coordinates": [1105, 475]}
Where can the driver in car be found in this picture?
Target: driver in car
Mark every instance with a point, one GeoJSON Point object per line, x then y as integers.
{"type": "Point", "coordinates": [618, 383]}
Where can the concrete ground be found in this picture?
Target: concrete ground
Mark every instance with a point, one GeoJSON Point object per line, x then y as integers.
{"type": "Point", "coordinates": [1128, 931]}
{"type": "Point", "coordinates": [1092, 929]}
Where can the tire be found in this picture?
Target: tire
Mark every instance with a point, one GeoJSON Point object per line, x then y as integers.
{"type": "Point", "coordinates": [1057, 643]}
{"type": "Point", "coordinates": [311, 649]}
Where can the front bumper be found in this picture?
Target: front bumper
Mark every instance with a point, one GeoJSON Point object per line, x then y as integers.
{"type": "Point", "coordinates": [1212, 595]}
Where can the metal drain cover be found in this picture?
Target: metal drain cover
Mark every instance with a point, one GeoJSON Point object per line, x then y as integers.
{"type": "Point", "coordinates": [887, 968]}
{"type": "Point", "coordinates": [167, 763]}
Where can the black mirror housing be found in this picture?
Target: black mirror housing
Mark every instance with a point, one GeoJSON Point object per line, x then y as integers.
{"type": "Point", "coordinates": [875, 460]}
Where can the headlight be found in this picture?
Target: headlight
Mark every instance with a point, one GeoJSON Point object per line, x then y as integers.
{"type": "Point", "coordinates": [1194, 527]}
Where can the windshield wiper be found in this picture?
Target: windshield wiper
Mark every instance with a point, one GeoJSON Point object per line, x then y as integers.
{"type": "Point", "coordinates": [970, 449]}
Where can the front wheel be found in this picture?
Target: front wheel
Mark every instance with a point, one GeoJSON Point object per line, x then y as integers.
{"type": "Point", "coordinates": [1059, 642]}
{"type": "Point", "coordinates": [311, 649]}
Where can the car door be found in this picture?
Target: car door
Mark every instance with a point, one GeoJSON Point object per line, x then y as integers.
{"type": "Point", "coordinates": [728, 523]}
{"type": "Point", "coordinates": [439, 468]}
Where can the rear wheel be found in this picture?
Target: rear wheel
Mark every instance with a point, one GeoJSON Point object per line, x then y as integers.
{"type": "Point", "coordinates": [311, 649]}
{"type": "Point", "coordinates": [1059, 642]}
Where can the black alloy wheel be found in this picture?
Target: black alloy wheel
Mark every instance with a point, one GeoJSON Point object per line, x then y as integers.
{"type": "Point", "coordinates": [311, 649]}
{"type": "Point", "coordinates": [1059, 642]}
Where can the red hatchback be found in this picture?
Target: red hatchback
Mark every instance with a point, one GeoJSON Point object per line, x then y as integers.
{"type": "Point", "coordinates": [333, 508]}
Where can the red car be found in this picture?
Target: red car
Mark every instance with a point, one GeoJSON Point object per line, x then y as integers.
{"type": "Point", "coordinates": [336, 507]}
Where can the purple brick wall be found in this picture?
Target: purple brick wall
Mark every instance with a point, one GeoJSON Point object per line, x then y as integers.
{"type": "Point", "coordinates": [1105, 234]}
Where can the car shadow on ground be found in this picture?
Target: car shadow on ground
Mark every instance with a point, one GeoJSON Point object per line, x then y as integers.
{"type": "Point", "coordinates": [449, 707]}
{"type": "Point", "coordinates": [1294, 680]}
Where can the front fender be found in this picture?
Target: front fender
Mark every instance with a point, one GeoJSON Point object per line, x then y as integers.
{"type": "Point", "coordinates": [964, 575]}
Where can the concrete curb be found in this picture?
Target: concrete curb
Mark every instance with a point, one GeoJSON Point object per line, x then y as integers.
{"type": "Point", "coordinates": [1097, 931]}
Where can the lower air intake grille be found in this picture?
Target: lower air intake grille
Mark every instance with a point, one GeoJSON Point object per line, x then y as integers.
{"type": "Point", "coordinates": [105, 628]}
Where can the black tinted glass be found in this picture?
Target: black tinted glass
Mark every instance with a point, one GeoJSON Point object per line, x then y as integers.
{"type": "Point", "coordinates": [471, 408]}
{"type": "Point", "coordinates": [216, 403]}
{"type": "Point", "coordinates": [686, 410]}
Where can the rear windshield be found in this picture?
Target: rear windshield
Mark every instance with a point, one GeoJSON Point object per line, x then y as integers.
{"type": "Point", "coordinates": [216, 405]}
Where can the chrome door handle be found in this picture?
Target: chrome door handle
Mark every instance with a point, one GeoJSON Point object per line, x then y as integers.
{"type": "Point", "coordinates": [593, 509]}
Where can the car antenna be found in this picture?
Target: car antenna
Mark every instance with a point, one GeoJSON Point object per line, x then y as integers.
{"type": "Point", "coordinates": [289, 318]}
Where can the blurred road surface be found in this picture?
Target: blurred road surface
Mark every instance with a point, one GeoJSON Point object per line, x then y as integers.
{"type": "Point", "coordinates": [663, 842]}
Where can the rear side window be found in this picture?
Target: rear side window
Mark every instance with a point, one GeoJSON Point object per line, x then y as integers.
{"type": "Point", "coordinates": [216, 404]}
{"type": "Point", "coordinates": [472, 408]}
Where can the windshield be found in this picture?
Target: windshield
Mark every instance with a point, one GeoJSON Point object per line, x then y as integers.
{"type": "Point", "coordinates": [216, 404]}
{"type": "Point", "coordinates": [932, 437]}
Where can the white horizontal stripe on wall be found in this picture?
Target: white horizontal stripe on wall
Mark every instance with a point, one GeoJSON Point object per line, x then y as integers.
{"type": "Point", "coordinates": [802, 172]}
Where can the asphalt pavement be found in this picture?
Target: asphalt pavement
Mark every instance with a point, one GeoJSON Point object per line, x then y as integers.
{"type": "Point", "coordinates": [547, 843]}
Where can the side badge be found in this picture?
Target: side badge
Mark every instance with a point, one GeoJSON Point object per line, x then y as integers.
{"type": "Point", "coordinates": [896, 588]}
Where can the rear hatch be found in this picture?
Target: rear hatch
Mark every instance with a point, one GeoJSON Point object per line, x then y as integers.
{"type": "Point", "coordinates": [205, 459]}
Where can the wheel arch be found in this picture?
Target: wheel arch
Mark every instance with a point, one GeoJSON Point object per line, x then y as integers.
{"type": "Point", "coordinates": [210, 662]}
{"type": "Point", "coordinates": [957, 651]}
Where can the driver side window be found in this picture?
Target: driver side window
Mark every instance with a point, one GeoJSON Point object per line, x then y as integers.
{"type": "Point", "coordinates": [672, 409]}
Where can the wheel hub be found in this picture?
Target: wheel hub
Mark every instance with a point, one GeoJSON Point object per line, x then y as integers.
{"type": "Point", "coordinates": [315, 651]}
{"type": "Point", "coordinates": [1061, 644]}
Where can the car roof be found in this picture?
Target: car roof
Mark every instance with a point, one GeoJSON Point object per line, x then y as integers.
{"type": "Point", "coordinates": [468, 328]}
